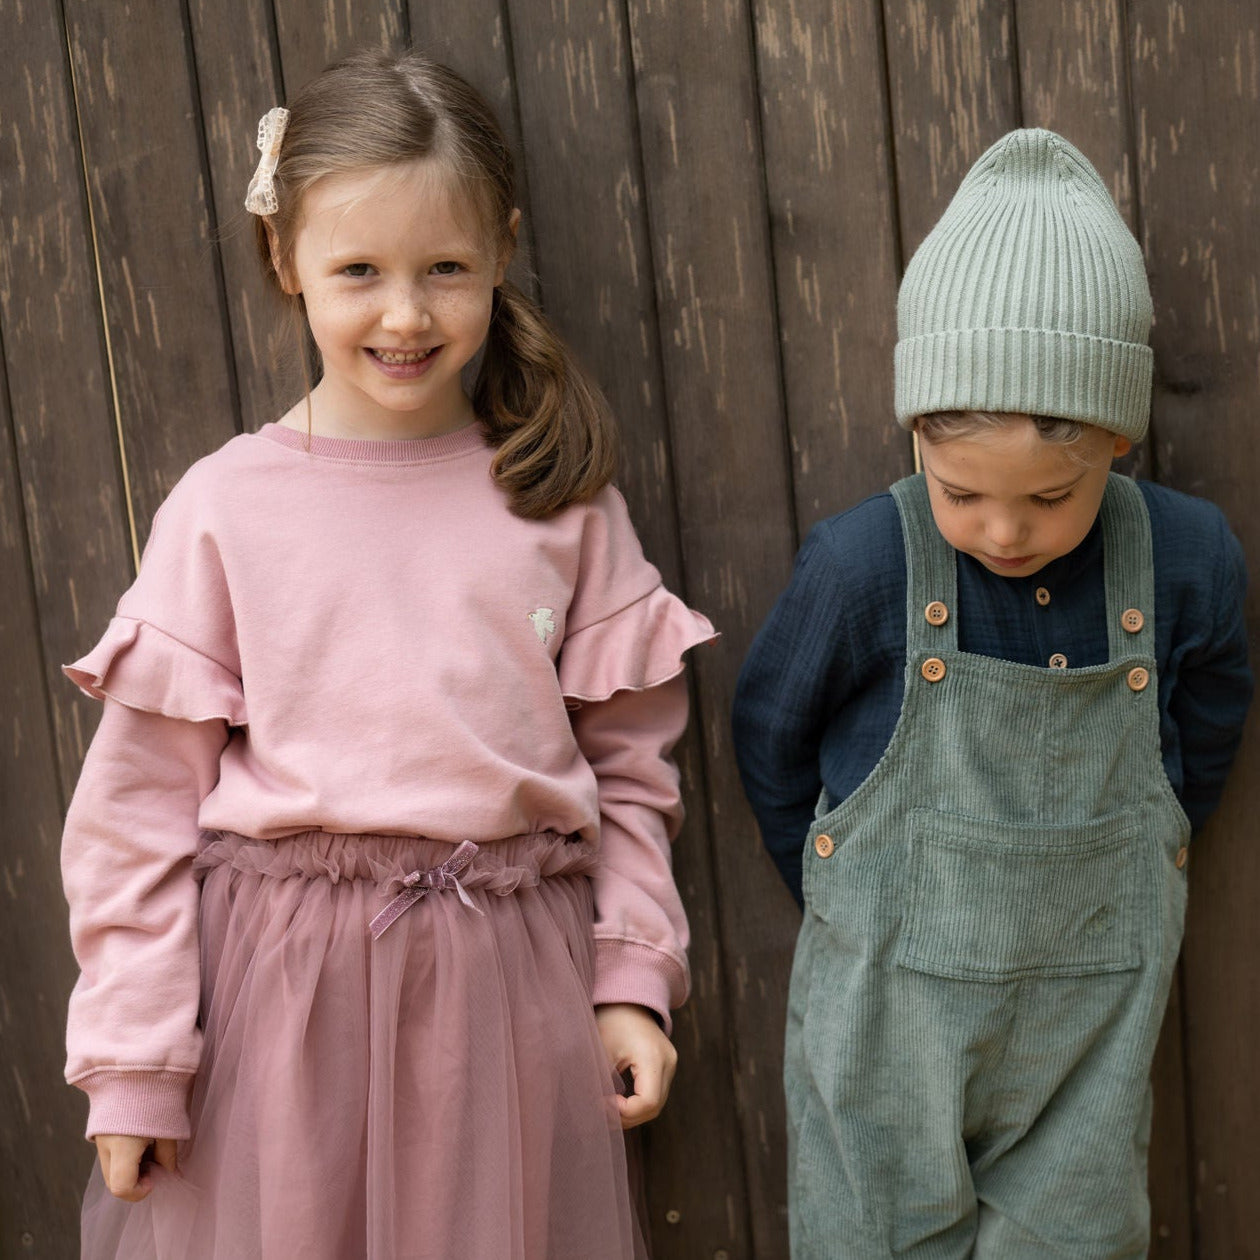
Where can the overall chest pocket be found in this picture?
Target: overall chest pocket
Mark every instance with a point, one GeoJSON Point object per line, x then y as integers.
{"type": "Point", "coordinates": [998, 901]}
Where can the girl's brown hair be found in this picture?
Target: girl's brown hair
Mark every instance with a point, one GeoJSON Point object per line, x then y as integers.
{"type": "Point", "coordinates": [550, 424]}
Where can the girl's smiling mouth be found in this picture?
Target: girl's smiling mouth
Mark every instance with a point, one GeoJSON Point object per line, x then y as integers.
{"type": "Point", "coordinates": [402, 365]}
{"type": "Point", "coordinates": [394, 357]}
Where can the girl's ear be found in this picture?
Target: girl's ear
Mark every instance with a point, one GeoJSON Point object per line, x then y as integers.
{"type": "Point", "coordinates": [1122, 447]}
{"type": "Point", "coordinates": [284, 272]}
{"type": "Point", "coordinates": [505, 257]}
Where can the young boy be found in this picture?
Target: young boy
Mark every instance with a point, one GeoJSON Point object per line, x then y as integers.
{"type": "Point", "coordinates": [1019, 681]}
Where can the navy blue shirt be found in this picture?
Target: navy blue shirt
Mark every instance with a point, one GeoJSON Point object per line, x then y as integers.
{"type": "Point", "coordinates": [821, 690]}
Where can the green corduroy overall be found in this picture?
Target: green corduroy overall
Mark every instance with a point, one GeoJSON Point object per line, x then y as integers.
{"type": "Point", "coordinates": [991, 924]}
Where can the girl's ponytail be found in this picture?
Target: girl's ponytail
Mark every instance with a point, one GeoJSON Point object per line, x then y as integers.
{"type": "Point", "coordinates": [555, 437]}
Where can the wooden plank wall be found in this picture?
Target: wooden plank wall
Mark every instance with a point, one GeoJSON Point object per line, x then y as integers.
{"type": "Point", "coordinates": [719, 199]}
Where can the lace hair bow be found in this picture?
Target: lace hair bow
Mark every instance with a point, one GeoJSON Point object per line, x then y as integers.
{"type": "Point", "coordinates": [261, 196]}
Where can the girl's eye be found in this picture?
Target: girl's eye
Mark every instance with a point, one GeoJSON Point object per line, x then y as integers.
{"type": "Point", "coordinates": [951, 497]}
{"type": "Point", "coordinates": [357, 270]}
{"type": "Point", "coordinates": [1052, 503]}
{"type": "Point", "coordinates": [447, 268]}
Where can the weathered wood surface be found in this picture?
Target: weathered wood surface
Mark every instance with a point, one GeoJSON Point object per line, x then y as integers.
{"type": "Point", "coordinates": [719, 201]}
{"type": "Point", "coordinates": [161, 279]}
{"type": "Point", "coordinates": [700, 130]}
{"type": "Point", "coordinates": [238, 75]}
{"type": "Point", "coordinates": [1196, 97]}
{"type": "Point", "coordinates": [831, 200]}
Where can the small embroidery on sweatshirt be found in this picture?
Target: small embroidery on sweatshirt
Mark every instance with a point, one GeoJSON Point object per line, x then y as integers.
{"type": "Point", "coordinates": [544, 625]}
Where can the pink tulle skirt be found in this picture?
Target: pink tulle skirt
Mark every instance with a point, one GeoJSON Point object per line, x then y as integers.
{"type": "Point", "coordinates": [439, 1093]}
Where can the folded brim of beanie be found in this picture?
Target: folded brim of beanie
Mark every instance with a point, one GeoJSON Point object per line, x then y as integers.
{"type": "Point", "coordinates": [1031, 370]}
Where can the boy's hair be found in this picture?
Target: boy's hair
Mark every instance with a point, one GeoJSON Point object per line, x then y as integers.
{"type": "Point", "coordinates": [555, 438]}
{"type": "Point", "coordinates": [944, 426]}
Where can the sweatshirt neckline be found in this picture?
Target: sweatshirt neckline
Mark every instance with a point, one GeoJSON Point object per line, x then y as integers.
{"type": "Point", "coordinates": [471, 437]}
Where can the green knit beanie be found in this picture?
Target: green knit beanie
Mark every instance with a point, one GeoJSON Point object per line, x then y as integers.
{"type": "Point", "coordinates": [1029, 295]}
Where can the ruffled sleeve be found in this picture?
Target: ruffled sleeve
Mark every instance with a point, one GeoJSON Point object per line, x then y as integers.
{"type": "Point", "coordinates": [146, 669]}
{"type": "Point", "coordinates": [624, 630]}
{"type": "Point", "coordinates": [638, 647]}
{"type": "Point", "coordinates": [172, 647]}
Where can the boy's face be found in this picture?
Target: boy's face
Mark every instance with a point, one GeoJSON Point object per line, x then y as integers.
{"type": "Point", "coordinates": [1014, 501]}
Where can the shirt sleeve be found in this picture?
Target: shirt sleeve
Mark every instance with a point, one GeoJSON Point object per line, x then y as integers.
{"type": "Point", "coordinates": [797, 673]}
{"type": "Point", "coordinates": [130, 837]}
{"type": "Point", "coordinates": [168, 670]}
{"type": "Point", "coordinates": [641, 933]}
{"type": "Point", "coordinates": [620, 669]}
{"type": "Point", "coordinates": [1214, 687]}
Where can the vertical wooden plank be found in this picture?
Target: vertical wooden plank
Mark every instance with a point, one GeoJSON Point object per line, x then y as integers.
{"type": "Point", "coordinates": [1074, 79]}
{"type": "Point", "coordinates": [312, 35]}
{"type": "Point", "coordinates": [59, 381]}
{"type": "Point", "coordinates": [44, 1160]}
{"type": "Point", "coordinates": [161, 282]}
{"type": "Point", "coordinates": [952, 75]}
{"type": "Point", "coordinates": [1196, 93]}
{"type": "Point", "coordinates": [833, 226]}
{"type": "Point", "coordinates": [574, 82]}
{"type": "Point", "coordinates": [700, 133]}
{"type": "Point", "coordinates": [238, 83]}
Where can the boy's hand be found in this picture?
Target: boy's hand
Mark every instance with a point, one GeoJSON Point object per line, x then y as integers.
{"type": "Point", "coordinates": [123, 1163]}
{"type": "Point", "coordinates": [634, 1042]}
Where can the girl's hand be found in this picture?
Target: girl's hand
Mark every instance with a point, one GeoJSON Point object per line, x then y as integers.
{"type": "Point", "coordinates": [123, 1163]}
{"type": "Point", "coordinates": [634, 1042]}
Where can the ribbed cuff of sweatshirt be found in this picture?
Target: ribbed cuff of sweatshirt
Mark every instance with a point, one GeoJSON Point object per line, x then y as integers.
{"type": "Point", "coordinates": [137, 1104]}
{"type": "Point", "coordinates": [629, 971]}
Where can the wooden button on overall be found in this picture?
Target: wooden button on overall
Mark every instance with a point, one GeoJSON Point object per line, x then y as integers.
{"type": "Point", "coordinates": [936, 613]}
{"type": "Point", "coordinates": [1183, 856]}
{"type": "Point", "coordinates": [933, 669]}
{"type": "Point", "coordinates": [1138, 678]}
{"type": "Point", "coordinates": [1058, 661]}
{"type": "Point", "coordinates": [1043, 596]}
{"type": "Point", "coordinates": [824, 845]}
{"type": "Point", "coordinates": [1132, 620]}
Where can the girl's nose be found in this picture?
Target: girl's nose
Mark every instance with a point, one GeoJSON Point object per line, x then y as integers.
{"type": "Point", "coordinates": [407, 311]}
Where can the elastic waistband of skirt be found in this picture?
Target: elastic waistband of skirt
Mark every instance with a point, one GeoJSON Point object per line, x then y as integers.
{"type": "Point", "coordinates": [499, 866]}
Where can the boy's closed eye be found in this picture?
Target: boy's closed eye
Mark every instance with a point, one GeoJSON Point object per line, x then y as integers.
{"type": "Point", "coordinates": [961, 499]}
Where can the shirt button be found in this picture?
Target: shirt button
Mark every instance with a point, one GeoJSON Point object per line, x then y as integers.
{"type": "Point", "coordinates": [936, 613]}
{"type": "Point", "coordinates": [1043, 596]}
{"type": "Point", "coordinates": [1138, 678]}
{"type": "Point", "coordinates": [1132, 620]}
{"type": "Point", "coordinates": [824, 845]}
{"type": "Point", "coordinates": [1183, 856]}
{"type": "Point", "coordinates": [933, 669]}
{"type": "Point", "coordinates": [1058, 661]}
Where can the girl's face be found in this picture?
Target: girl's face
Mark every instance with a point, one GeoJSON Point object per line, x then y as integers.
{"type": "Point", "coordinates": [398, 283]}
{"type": "Point", "coordinates": [1014, 501]}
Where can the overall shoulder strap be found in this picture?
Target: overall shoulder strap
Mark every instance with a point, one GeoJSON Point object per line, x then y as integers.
{"type": "Point", "coordinates": [1129, 568]}
{"type": "Point", "coordinates": [931, 571]}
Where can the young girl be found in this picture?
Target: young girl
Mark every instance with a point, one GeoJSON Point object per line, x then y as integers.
{"type": "Point", "coordinates": [1019, 680]}
{"type": "Point", "coordinates": [369, 863]}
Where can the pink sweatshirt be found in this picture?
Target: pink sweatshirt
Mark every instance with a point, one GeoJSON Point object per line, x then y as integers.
{"type": "Point", "coordinates": [360, 637]}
